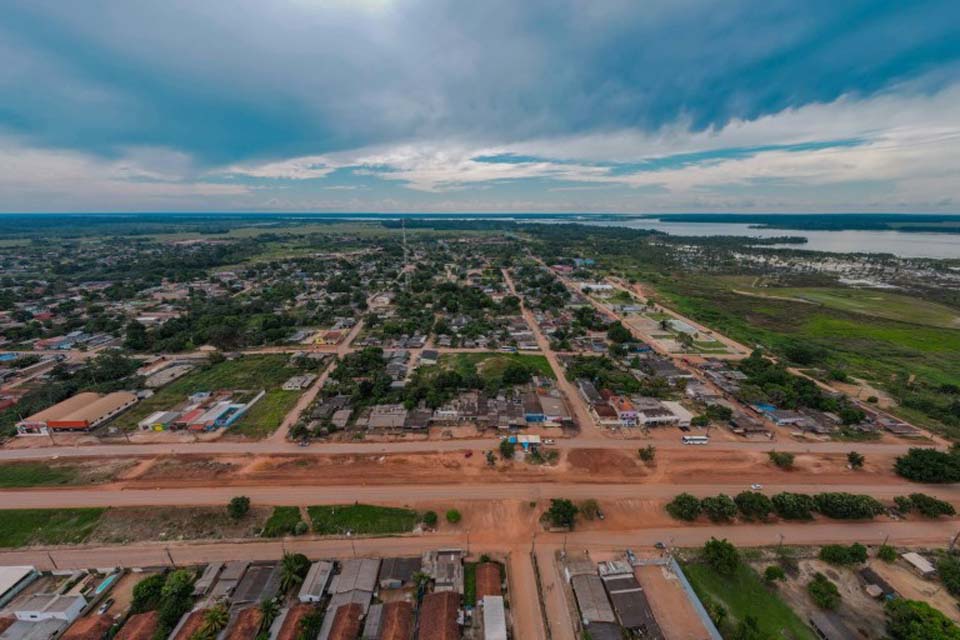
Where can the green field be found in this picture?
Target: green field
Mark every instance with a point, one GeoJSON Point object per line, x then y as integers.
{"type": "Point", "coordinates": [361, 519]}
{"type": "Point", "coordinates": [491, 365]}
{"type": "Point", "coordinates": [282, 522]}
{"type": "Point", "coordinates": [910, 358]}
{"type": "Point", "coordinates": [22, 527]}
{"type": "Point", "coordinates": [743, 594]}
{"type": "Point", "coordinates": [870, 302]}
{"type": "Point", "coordinates": [35, 474]}
{"type": "Point", "coordinates": [249, 372]}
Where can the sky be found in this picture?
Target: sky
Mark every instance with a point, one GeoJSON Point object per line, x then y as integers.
{"type": "Point", "coordinates": [495, 106]}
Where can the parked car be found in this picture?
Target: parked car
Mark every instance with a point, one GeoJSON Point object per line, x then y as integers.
{"type": "Point", "coordinates": [756, 487]}
{"type": "Point", "coordinates": [105, 606]}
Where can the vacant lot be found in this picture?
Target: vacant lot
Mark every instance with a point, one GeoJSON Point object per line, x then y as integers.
{"type": "Point", "coordinates": [491, 365]}
{"type": "Point", "coordinates": [249, 372]}
{"type": "Point", "coordinates": [43, 474]}
{"type": "Point", "coordinates": [361, 519]}
{"type": "Point", "coordinates": [744, 594]}
{"type": "Point", "coordinates": [282, 522]}
{"type": "Point", "coordinates": [22, 527]}
{"type": "Point", "coordinates": [175, 523]}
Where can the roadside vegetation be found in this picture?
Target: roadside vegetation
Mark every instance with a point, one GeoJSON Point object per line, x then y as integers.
{"type": "Point", "coordinates": [22, 527]}
{"type": "Point", "coordinates": [361, 519]}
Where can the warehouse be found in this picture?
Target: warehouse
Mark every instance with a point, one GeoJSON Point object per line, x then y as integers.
{"type": "Point", "coordinates": [81, 412]}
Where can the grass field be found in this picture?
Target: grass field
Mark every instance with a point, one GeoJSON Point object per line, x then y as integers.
{"type": "Point", "coordinates": [35, 474]}
{"type": "Point", "coordinates": [249, 372]}
{"type": "Point", "coordinates": [491, 365]}
{"type": "Point", "coordinates": [361, 519]}
{"type": "Point", "coordinates": [870, 302]}
{"type": "Point", "coordinates": [282, 522]}
{"type": "Point", "coordinates": [22, 527]}
{"type": "Point", "coordinates": [744, 594]}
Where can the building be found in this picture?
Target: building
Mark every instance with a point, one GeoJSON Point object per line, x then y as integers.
{"type": "Point", "coordinates": [445, 566]}
{"type": "Point", "coordinates": [50, 606]}
{"type": "Point", "coordinates": [438, 616]}
{"type": "Point", "coordinates": [629, 600]}
{"type": "Point", "coordinates": [680, 413]}
{"type": "Point", "coordinates": [229, 579]}
{"type": "Point", "coordinates": [592, 599]}
{"type": "Point", "coordinates": [81, 412]}
{"type": "Point", "coordinates": [396, 573]}
{"type": "Point", "coordinates": [316, 581]}
{"type": "Point", "coordinates": [205, 582]}
{"type": "Point", "coordinates": [488, 581]}
{"type": "Point", "coordinates": [396, 621]}
{"type": "Point", "coordinates": [828, 626]}
{"type": "Point", "coordinates": [346, 623]}
{"type": "Point", "coordinates": [920, 565]}
{"type": "Point", "coordinates": [494, 618]}
{"type": "Point", "coordinates": [299, 383]}
{"type": "Point", "coordinates": [260, 582]}
{"type": "Point", "coordinates": [429, 357]}
{"type": "Point", "coordinates": [357, 574]}
{"type": "Point", "coordinates": [13, 580]}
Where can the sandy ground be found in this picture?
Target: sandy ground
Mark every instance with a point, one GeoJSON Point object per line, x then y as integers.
{"type": "Point", "coordinates": [122, 592]}
{"type": "Point", "coordinates": [913, 587]}
{"type": "Point", "coordinates": [671, 607]}
{"type": "Point", "coordinates": [559, 613]}
{"type": "Point", "coordinates": [858, 611]}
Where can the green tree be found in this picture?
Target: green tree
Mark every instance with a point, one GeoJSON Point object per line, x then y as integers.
{"type": "Point", "coordinates": [562, 513]}
{"type": "Point", "coordinates": [847, 506]}
{"type": "Point", "coordinates": [269, 609]}
{"type": "Point", "coordinates": [721, 555]}
{"type": "Point", "coordinates": [887, 553]}
{"type": "Point", "coordinates": [719, 508]}
{"type": "Point", "coordinates": [453, 516]}
{"type": "Point", "coordinates": [685, 507]}
{"type": "Point", "coordinates": [823, 592]}
{"type": "Point", "coordinates": [749, 629]}
{"type": "Point", "coordinates": [238, 507]}
{"type": "Point", "coordinates": [931, 507]}
{"type": "Point", "coordinates": [430, 519]}
{"type": "Point", "coordinates": [840, 555]}
{"type": "Point", "coordinates": [215, 619]}
{"type": "Point", "coordinates": [773, 573]}
{"type": "Point", "coordinates": [147, 593]}
{"type": "Point", "coordinates": [948, 568]}
{"type": "Point", "coordinates": [855, 460]}
{"type": "Point", "coordinates": [136, 337]}
{"type": "Point", "coordinates": [929, 465]}
{"type": "Point", "coordinates": [293, 569]}
{"type": "Point", "coordinates": [913, 620]}
{"type": "Point", "coordinates": [793, 506]}
{"type": "Point", "coordinates": [782, 459]}
{"type": "Point", "coordinates": [507, 449]}
{"type": "Point", "coordinates": [618, 334]}
{"type": "Point", "coordinates": [753, 505]}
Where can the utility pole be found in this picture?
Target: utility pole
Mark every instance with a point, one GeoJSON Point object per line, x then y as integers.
{"type": "Point", "coordinates": [170, 557]}
{"type": "Point", "coordinates": [953, 542]}
{"type": "Point", "coordinates": [52, 561]}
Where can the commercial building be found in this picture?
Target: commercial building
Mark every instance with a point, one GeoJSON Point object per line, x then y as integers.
{"type": "Point", "coordinates": [81, 412]}
{"type": "Point", "coordinates": [494, 618]}
{"type": "Point", "coordinates": [13, 580]}
{"type": "Point", "coordinates": [50, 606]}
{"type": "Point", "coordinates": [592, 599]}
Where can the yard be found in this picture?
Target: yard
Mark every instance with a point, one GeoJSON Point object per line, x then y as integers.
{"type": "Point", "coordinates": [249, 372]}
{"type": "Point", "coordinates": [491, 365]}
{"type": "Point", "coordinates": [22, 527]}
{"type": "Point", "coordinates": [282, 522]}
{"type": "Point", "coordinates": [744, 594]}
{"type": "Point", "coordinates": [361, 519]}
{"type": "Point", "coordinates": [45, 474]}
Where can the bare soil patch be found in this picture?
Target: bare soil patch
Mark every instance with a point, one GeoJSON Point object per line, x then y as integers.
{"type": "Point", "coordinates": [118, 526]}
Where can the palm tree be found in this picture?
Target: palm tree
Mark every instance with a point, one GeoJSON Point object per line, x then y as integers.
{"type": "Point", "coordinates": [293, 569]}
{"type": "Point", "coordinates": [214, 620]}
{"type": "Point", "coordinates": [268, 610]}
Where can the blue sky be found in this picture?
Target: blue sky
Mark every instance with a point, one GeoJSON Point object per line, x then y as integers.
{"type": "Point", "coordinates": [430, 105]}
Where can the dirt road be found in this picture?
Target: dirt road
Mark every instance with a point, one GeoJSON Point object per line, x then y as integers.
{"type": "Point", "coordinates": [113, 496]}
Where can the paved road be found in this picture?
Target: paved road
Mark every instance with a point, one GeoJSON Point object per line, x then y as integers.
{"type": "Point", "coordinates": [118, 496]}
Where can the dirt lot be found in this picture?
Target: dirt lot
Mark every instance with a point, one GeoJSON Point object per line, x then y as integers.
{"type": "Point", "coordinates": [576, 465]}
{"type": "Point", "coordinates": [122, 592]}
{"type": "Point", "coordinates": [173, 523]}
{"type": "Point", "coordinates": [858, 611]}
{"type": "Point", "coordinates": [246, 624]}
{"type": "Point", "coordinates": [912, 586]}
{"type": "Point", "coordinates": [670, 604]}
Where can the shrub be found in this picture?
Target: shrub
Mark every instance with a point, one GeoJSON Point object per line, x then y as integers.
{"type": "Point", "coordinates": [913, 620]}
{"type": "Point", "coordinates": [430, 519]}
{"type": "Point", "coordinates": [887, 553]}
{"type": "Point", "coordinates": [648, 453]}
{"type": "Point", "coordinates": [847, 506]}
{"type": "Point", "coordinates": [684, 507]}
{"type": "Point", "coordinates": [948, 568]}
{"type": "Point", "coordinates": [904, 504]}
{"type": "Point", "coordinates": [721, 555]}
{"type": "Point", "coordinates": [931, 507]}
{"type": "Point", "coordinates": [701, 420]}
{"type": "Point", "coordinates": [774, 573]}
{"type": "Point", "coordinates": [856, 460]}
{"type": "Point", "coordinates": [823, 592]}
{"type": "Point", "coordinates": [562, 513]}
{"type": "Point", "coordinates": [590, 509]}
{"type": "Point", "coordinates": [929, 465]}
{"type": "Point", "coordinates": [719, 508]}
{"type": "Point", "coordinates": [238, 507]}
{"type": "Point", "coordinates": [507, 449]}
{"type": "Point", "coordinates": [840, 554]}
{"type": "Point", "coordinates": [300, 528]}
{"type": "Point", "coordinates": [793, 506]}
{"type": "Point", "coordinates": [782, 459]}
{"type": "Point", "coordinates": [753, 505]}
{"type": "Point", "coordinates": [453, 516]}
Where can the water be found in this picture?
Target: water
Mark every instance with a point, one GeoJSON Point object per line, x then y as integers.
{"type": "Point", "coordinates": [905, 245]}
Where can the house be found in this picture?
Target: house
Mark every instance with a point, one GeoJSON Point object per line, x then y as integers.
{"type": "Point", "coordinates": [429, 357]}
{"type": "Point", "coordinates": [588, 391]}
{"type": "Point", "coordinates": [396, 573]}
{"type": "Point", "coordinates": [592, 599]}
{"type": "Point", "coordinates": [345, 623]}
{"type": "Point", "coordinates": [396, 621]}
{"type": "Point", "coordinates": [356, 574]}
{"type": "Point", "coordinates": [228, 580]}
{"type": "Point", "coordinates": [629, 600]}
{"type": "Point", "coordinates": [445, 566]}
{"type": "Point", "coordinates": [316, 581]}
{"type": "Point", "coordinates": [15, 579]}
{"type": "Point", "coordinates": [387, 416]}
{"type": "Point", "coordinates": [438, 616]}
{"type": "Point", "coordinates": [494, 618]}
{"type": "Point", "coordinates": [680, 413]}
{"type": "Point", "coordinates": [260, 582]}
{"type": "Point", "coordinates": [488, 581]}
{"type": "Point", "coordinates": [828, 626]}
{"type": "Point", "coordinates": [205, 582]}
{"type": "Point", "coordinates": [50, 606]}
{"type": "Point", "coordinates": [605, 415]}
{"type": "Point", "coordinates": [626, 412]}
{"type": "Point", "coordinates": [299, 383]}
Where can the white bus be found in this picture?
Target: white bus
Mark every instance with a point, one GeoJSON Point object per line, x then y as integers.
{"type": "Point", "coordinates": [695, 440]}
